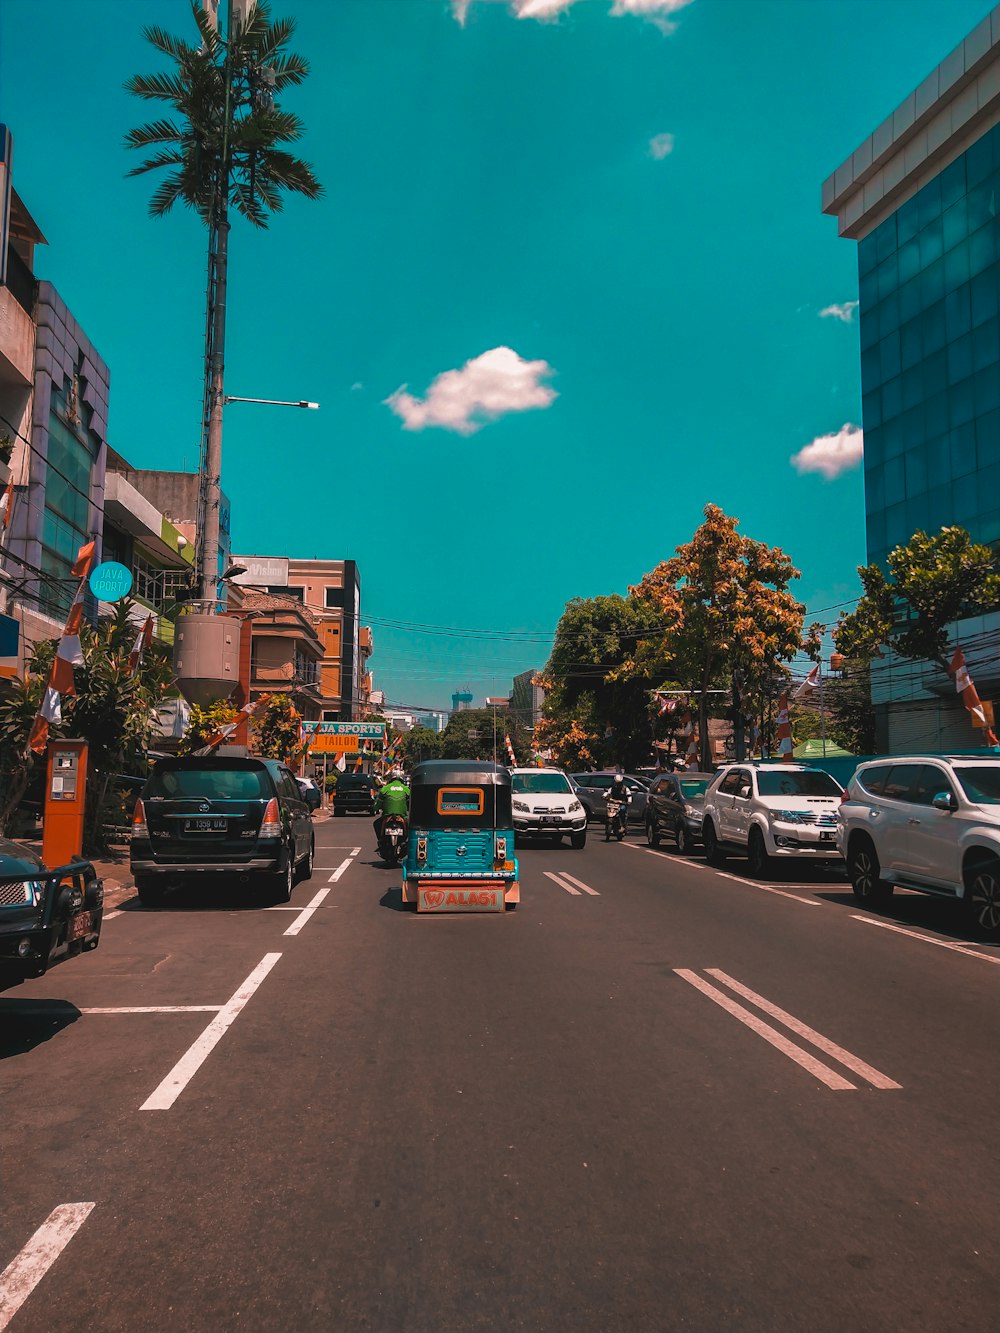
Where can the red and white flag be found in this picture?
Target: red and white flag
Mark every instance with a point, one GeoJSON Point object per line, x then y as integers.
{"type": "Point", "coordinates": [666, 705]}
{"type": "Point", "coordinates": [84, 560]}
{"type": "Point", "coordinates": [510, 751]}
{"type": "Point", "coordinates": [7, 506]}
{"type": "Point", "coordinates": [69, 654]}
{"type": "Point", "coordinates": [141, 646]}
{"type": "Point", "coordinates": [784, 733]}
{"type": "Point", "coordinates": [970, 695]}
{"type": "Point", "coordinates": [811, 682]}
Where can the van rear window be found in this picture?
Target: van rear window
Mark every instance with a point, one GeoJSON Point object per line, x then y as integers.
{"type": "Point", "coordinates": [220, 784]}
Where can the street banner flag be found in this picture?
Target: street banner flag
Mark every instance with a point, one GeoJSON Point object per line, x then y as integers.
{"type": "Point", "coordinates": [784, 736]}
{"type": "Point", "coordinates": [7, 506]}
{"type": "Point", "coordinates": [510, 751]}
{"type": "Point", "coordinates": [811, 682]}
{"type": "Point", "coordinates": [84, 560]}
{"type": "Point", "coordinates": [341, 762]}
{"type": "Point", "coordinates": [142, 643]}
{"type": "Point", "coordinates": [49, 711]}
{"type": "Point", "coordinates": [970, 696]}
{"type": "Point", "coordinates": [665, 704]}
{"type": "Point", "coordinates": [68, 655]}
{"type": "Point", "coordinates": [221, 733]}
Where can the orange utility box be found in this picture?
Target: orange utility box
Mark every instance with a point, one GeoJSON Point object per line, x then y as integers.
{"type": "Point", "coordinates": [65, 792]}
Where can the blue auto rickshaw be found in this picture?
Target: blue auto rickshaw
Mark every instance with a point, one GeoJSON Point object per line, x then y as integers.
{"type": "Point", "coordinates": [460, 849]}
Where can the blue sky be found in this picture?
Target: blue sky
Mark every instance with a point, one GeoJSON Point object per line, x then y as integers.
{"type": "Point", "coordinates": [627, 202]}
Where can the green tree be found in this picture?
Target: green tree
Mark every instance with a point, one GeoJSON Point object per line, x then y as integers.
{"type": "Point", "coordinates": [596, 711]}
{"type": "Point", "coordinates": [932, 582]}
{"type": "Point", "coordinates": [418, 744]}
{"type": "Point", "coordinates": [204, 722]}
{"type": "Point", "coordinates": [275, 729]}
{"type": "Point", "coordinates": [113, 710]}
{"type": "Point", "coordinates": [723, 605]}
{"type": "Point", "coordinates": [223, 144]}
{"type": "Point", "coordinates": [850, 712]}
{"type": "Point", "coordinates": [470, 735]}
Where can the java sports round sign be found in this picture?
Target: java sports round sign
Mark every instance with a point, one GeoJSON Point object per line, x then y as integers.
{"type": "Point", "coordinates": [110, 581]}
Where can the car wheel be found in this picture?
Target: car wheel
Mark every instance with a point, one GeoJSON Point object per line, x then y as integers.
{"type": "Point", "coordinates": [308, 861]}
{"type": "Point", "coordinates": [760, 862]}
{"type": "Point", "coordinates": [151, 894]}
{"type": "Point", "coordinates": [283, 882]}
{"type": "Point", "coordinates": [683, 840]}
{"type": "Point", "coordinates": [982, 899]}
{"type": "Point", "coordinates": [714, 854]}
{"type": "Point", "coordinates": [578, 840]}
{"type": "Point", "coordinates": [652, 833]}
{"type": "Point", "coordinates": [865, 874]}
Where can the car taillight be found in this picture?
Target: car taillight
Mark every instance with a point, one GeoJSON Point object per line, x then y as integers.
{"type": "Point", "coordinates": [270, 825]}
{"type": "Point", "coordinates": [845, 796]}
{"type": "Point", "coordinates": [139, 829]}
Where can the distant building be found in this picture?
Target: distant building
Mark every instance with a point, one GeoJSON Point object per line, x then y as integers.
{"type": "Point", "coordinates": [526, 699]}
{"type": "Point", "coordinates": [919, 196]}
{"type": "Point", "coordinates": [433, 721]}
{"type": "Point", "coordinates": [461, 701]}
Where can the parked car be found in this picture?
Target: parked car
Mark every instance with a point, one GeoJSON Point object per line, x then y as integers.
{"type": "Point", "coordinates": [930, 823]}
{"type": "Point", "coordinates": [770, 812]}
{"type": "Point", "coordinates": [45, 918]}
{"type": "Point", "coordinates": [203, 817]}
{"type": "Point", "coordinates": [355, 794]}
{"type": "Point", "coordinates": [592, 789]}
{"type": "Point", "coordinates": [311, 793]}
{"type": "Point", "coordinates": [544, 802]}
{"type": "Point", "coordinates": [675, 808]}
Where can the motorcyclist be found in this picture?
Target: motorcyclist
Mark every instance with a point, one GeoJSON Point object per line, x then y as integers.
{"type": "Point", "coordinates": [393, 799]}
{"type": "Point", "coordinates": [618, 791]}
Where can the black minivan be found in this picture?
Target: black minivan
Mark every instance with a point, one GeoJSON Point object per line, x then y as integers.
{"type": "Point", "coordinates": [218, 815]}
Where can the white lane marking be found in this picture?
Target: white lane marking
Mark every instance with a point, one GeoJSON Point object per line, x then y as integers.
{"type": "Point", "coordinates": [849, 1061]}
{"type": "Point", "coordinates": [927, 939]}
{"type": "Point", "coordinates": [579, 883]}
{"type": "Point", "coordinates": [355, 851]}
{"type": "Point", "coordinates": [340, 870]}
{"type": "Point", "coordinates": [282, 907]}
{"type": "Point", "coordinates": [195, 1056]}
{"type": "Point", "coordinates": [556, 879]}
{"type": "Point", "coordinates": [808, 1062]}
{"type": "Point", "coordinates": [307, 912]}
{"type": "Point", "coordinates": [737, 879]}
{"type": "Point", "coordinates": [23, 1274]}
{"type": "Point", "coordinates": [159, 1009]}
{"type": "Point", "coordinates": [110, 916]}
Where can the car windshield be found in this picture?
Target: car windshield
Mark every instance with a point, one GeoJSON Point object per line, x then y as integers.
{"type": "Point", "coordinates": [692, 787]}
{"type": "Point", "coordinates": [539, 783]}
{"type": "Point", "coordinates": [980, 783]}
{"type": "Point", "coordinates": [225, 784]}
{"type": "Point", "coordinates": [813, 783]}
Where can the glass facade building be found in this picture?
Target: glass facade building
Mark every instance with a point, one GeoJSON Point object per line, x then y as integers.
{"type": "Point", "coordinates": [929, 313]}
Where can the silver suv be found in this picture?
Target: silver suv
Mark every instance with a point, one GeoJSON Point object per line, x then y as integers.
{"type": "Point", "coordinates": [769, 812]}
{"type": "Point", "coordinates": [926, 822]}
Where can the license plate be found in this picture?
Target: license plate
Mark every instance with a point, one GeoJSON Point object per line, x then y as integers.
{"type": "Point", "coordinates": [205, 825]}
{"type": "Point", "coordinates": [81, 925]}
{"type": "Point", "coordinates": [826, 837]}
{"type": "Point", "coordinates": [550, 819]}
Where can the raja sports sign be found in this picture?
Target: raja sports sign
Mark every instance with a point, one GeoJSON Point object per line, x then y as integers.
{"type": "Point", "coordinates": [365, 731]}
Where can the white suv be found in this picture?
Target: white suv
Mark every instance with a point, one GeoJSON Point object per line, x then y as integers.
{"type": "Point", "coordinates": [770, 811]}
{"type": "Point", "coordinates": [544, 802]}
{"type": "Point", "coordinates": [926, 822]}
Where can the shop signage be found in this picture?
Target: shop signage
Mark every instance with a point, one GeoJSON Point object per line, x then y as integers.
{"type": "Point", "coordinates": [366, 731]}
{"type": "Point", "coordinates": [111, 581]}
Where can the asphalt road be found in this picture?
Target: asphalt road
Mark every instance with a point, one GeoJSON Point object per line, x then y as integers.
{"type": "Point", "coordinates": [655, 1097]}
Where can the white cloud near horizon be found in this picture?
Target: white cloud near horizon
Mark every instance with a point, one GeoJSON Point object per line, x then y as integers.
{"type": "Point", "coordinates": [842, 310]}
{"type": "Point", "coordinates": [485, 388]}
{"type": "Point", "coordinates": [658, 11]}
{"type": "Point", "coordinates": [661, 146]}
{"type": "Point", "coordinates": [832, 454]}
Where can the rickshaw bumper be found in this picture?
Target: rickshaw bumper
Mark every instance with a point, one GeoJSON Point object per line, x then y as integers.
{"type": "Point", "coordinates": [446, 893]}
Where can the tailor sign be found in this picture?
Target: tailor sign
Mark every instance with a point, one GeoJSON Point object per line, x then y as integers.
{"type": "Point", "coordinates": [110, 581]}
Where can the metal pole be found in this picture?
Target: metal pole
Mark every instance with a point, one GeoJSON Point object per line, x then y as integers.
{"type": "Point", "coordinates": [822, 712]}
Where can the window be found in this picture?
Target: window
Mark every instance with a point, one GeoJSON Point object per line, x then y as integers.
{"type": "Point", "coordinates": [536, 784]}
{"type": "Point", "coordinates": [900, 781]}
{"type": "Point", "coordinates": [333, 596]}
{"type": "Point", "coordinates": [931, 781]}
{"type": "Point", "coordinates": [873, 779]}
{"type": "Point", "coordinates": [811, 782]}
{"type": "Point", "coordinates": [730, 784]}
{"type": "Point", "coordinates": [980, 782]}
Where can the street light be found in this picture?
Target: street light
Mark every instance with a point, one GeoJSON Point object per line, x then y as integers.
{"type": "Point", "coordinates": [271, 402]}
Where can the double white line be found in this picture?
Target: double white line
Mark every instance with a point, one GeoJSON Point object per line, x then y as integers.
{"type": "Point", "coordinates": [571, 884]}
{"type": "Point", "coordinates": [823, 1072]}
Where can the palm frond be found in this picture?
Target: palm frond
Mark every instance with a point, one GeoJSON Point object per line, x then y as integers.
{"type": "Point", "coordinates": [166, 194]}
{"type": "Point", "coordinates": [156, 87]}
{"type": "Point", "coordinates": [157, 131]}
{"type": "Point", "coordinates": [291, 173]}
{"type": "Point", "coordinates": [166, 158]}
{"type": "Point", "coordinates": [247, 202]}
{"type": "Point", "coordinates": [171, 46]}
{"type": "Point", "coordinates": [288, 70]}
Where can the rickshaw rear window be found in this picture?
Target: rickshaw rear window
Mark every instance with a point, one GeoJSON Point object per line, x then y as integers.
{"type": "Point", "coordinates": [460, 801]}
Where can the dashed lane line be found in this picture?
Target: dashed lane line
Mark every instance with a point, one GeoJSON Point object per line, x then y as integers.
{"type": "Point", "coordinates": [557, 879]}
{"type": "Point", "coordinates": [849, 1061]}
{"type": "Point", "coordinates": [927, 939]}
{"type": "Point", "coordinates": [572, 879]}
{"type": "Point", "coordinates": [23, 1274]}
{"type": "Point", "coordinates": [307, 912]}
{"type": "Point", "coordinates": [158, 1009]}
{"type": "Point", "coordinates": [164, 1096]}
{"type": "Point", "coordinates": [777, 1039]}
{"type": "Point", "coordinates": [343, 866]}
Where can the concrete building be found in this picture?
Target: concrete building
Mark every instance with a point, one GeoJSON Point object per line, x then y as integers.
{"type": "Point", "coordinates": [461, 700]}
{"type": "Point", "coordinates": [331, 590]}
{"type": "Point", "coordinates": [920, 198]}
{"type": "Point", "coordinates": [175, 495]}
{"type": "Point", "coordinates": [526, 698]}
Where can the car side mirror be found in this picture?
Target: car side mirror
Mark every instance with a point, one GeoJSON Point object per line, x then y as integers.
{"type": "Point", "coordinates": [744, 792]}
{"type": "Point", "coordinates": [945, 800]}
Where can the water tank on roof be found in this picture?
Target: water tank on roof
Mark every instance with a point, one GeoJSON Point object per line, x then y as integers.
{"type": "Point", "coordinates": [207, 657]}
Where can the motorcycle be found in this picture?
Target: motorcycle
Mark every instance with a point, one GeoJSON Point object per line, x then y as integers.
{"type": "Point", "coordinates": [617, 819]}
{"type": "Point", "coordinates": [392, 840]}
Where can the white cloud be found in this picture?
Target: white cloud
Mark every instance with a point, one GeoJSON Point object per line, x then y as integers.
{"type": "Point", "coordinates": [831, 454]}
{"type": "Point", "coordinates": [843, 311]}
{"type": "Point", "coordinates": [485, 388]}
{"type": "Point", "coordinates": [655, 10]}
{"type": "Point", "coordinates": [661, 146]}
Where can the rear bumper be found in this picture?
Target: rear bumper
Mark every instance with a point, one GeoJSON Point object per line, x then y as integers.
{"type": "Point", "coordinates": [470, 893]}
{"type": "Point", "coordinates": [259, 864]}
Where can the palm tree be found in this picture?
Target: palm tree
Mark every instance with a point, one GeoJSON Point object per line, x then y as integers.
{"type": "Point", "coordinates": [223, 148]}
